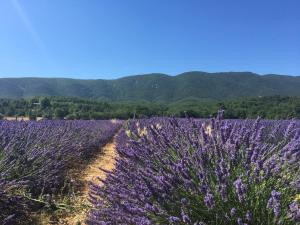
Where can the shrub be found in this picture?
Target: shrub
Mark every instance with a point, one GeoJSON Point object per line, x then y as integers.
{"type": "Point", "coordinates": [175, 171]}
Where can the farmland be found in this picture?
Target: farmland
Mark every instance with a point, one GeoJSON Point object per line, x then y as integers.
{"type": "Point", "coordinates": [39, 161]}
{"type": "Point", "coordinates": [149, 112]}
{"type": "Point", "coordinates": [180, 171]}
{"type": "Point", "coordinates": [164, 171]}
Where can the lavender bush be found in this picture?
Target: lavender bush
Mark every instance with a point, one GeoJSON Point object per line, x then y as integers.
{"type": "Point", "coordinates": [36, 157]}
{"type": "Point", "coordinates": [174, 171]}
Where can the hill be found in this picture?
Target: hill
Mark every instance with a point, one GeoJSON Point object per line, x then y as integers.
{"type": "Point", "coordinates": [156, 87]}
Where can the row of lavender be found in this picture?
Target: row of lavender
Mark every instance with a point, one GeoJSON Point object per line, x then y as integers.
{"type": "Point", "coordinates": [173, 171]}
{"type": "Point", "coordinates": [36, 157]}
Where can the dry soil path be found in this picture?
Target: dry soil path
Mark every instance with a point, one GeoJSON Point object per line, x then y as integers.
{"type": "Point", "coordinates": [105, 160]}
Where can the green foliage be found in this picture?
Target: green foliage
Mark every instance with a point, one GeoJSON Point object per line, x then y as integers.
{"type": "Point", "coordinates": [60, 113]}
{"type": "Point", "coordinates": [154, 87]}
{"type": "Point", "coordinates": [47, 114]}
{"type": "Point", "coordinates": [273, 107]}
{"type": "Point", "coordinates": [32, 115]}
{"type": "Point", "coordinates": [45, 103]}
{"type": "Point", "coordinates": [71, 117]}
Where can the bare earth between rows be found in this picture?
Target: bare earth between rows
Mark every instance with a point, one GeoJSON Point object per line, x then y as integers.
{"type": "Point", "coordinates": [105, 160]}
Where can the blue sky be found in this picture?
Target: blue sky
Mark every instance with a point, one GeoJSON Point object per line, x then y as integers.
{"type": "Point", "coordinates": [113, 38]}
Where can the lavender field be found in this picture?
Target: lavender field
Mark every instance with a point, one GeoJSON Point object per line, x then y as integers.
{"type": "Point", "coordinates": [36, 160]}
{"type": "Point", "coordinates": [149, 112]}
{"type": "Point", "coordinates": [184, 171]}
{"type": "Point", "coordinates": [168, 170]}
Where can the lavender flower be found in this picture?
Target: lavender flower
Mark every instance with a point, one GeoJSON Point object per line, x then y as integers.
{"type": "Point", "coordinates": [189, 174]}
{"type": "Point", "coordinates": [274, 202]}
{"type": "Point", "coordinates": [240, 189]}
{"type": "Point", "coordinates": [174, 219]}
{"type": "Point", "coordinates": [209, 200]}
{"type": "Point", "coordinates": [233, 211]}
{"type": "Point", "coordinates": [248, 216]}
{"type": "Point", "coordinates": [294, 211]}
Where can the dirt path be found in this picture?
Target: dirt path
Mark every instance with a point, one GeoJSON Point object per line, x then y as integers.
{"type": "Point", "coordinates": [105, 160]}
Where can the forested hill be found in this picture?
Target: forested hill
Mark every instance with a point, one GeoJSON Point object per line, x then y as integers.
{"type": "Point", "coordinates": [156, 87]}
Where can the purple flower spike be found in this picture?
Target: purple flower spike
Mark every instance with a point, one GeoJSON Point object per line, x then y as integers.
{"type": "Point", "coordinates": [233, 211]}
{"type": "Point", "coordinates": [240, 189]}
{"type": "Point", "coordinates": [274, 202]}
{"type": "Point", "coordinates": [209, 200]}
{"type": "Point", "coordinates": [294, 211]}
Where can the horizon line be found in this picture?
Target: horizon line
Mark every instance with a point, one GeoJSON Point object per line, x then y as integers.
{"type": "Point", "coordinates": [143, 74]}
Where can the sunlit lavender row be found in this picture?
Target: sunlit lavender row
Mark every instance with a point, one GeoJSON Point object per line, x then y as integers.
{"type": "Point", "coordinates": [36, 159]}
{"type": "Point", "coordinates": [181, 171]}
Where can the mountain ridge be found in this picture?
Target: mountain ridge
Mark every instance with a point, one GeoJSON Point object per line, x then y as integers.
{"type": "Point", "coordinates": [157, 73]}
{"type": "Point", "coordinates": [156, 86]}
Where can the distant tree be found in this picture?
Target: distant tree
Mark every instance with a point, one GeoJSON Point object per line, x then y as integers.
{"type": "Point", "coordinates": [45, 103]}
{"type": "Point", "coordinates": [47, 115]}
{"type": "Point", "coordinates": [11, 111]}
{"type": "Point", "coordinates": [60, 113]}
{"type": "Point", "coordinates": [71, 117]}
{"type": "Point", "coordinates": [33, 101]}
{"type": "Point", "coordinates": [20, 114]}
{"type": "Point", "coordinates": [32, 115]}
{"type": "Point", "coordinates": [97, 115]}
{"type": "Point", "coordinates": [191, 113]}
{"type": "Point", "coordinates": [297, 111]}
{"type": "Point", "coordinates": [84, 115]}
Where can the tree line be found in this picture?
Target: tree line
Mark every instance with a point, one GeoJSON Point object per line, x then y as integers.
{"type": "Point", "coordinates": [272, 107]}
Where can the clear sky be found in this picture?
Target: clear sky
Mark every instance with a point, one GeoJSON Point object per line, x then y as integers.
{"type": "Point", "coordinates": [113, 38]}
